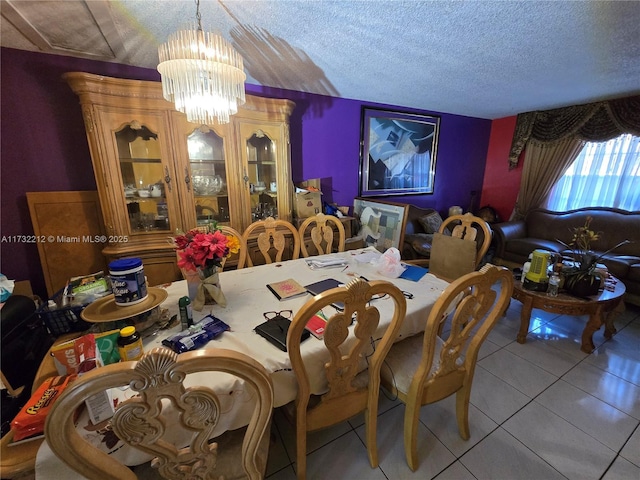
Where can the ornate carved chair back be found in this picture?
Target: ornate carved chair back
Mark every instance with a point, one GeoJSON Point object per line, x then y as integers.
{"type": "Point", "coordinates": [271, 235]}
{"type": "Point", "coordinates": [150, 421]}
{"type": "Point", "coordinates": [353, 362]}
{"type": "Point", "coordinates": [322, 233]}
{"type": "Point", "coordinates": [242, 251]}
{"type": "Point", "coordinates": [466, 227]}
{"type": "Point", "coordinates": [426, 368]}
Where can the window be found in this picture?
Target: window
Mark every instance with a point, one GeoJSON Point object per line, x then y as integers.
{"type": "Point", "coordinates": [605, 174]}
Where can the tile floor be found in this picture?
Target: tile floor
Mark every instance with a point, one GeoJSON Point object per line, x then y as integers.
{"type": "Point", "coordinates": [542, 410]}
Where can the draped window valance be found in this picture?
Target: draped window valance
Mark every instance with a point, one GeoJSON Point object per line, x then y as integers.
{"type": "Point", "coordinates": [593, 122]}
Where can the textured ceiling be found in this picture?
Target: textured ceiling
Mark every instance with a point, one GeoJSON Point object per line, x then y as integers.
{"type": "Point", "coordinates": [487, 59]}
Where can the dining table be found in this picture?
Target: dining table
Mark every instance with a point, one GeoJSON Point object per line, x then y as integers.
{"type": "Point", "coordinates": [248, 299]}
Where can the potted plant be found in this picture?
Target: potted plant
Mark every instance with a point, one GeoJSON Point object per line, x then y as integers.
{"type": "Point", "coordinates": [580, 277]}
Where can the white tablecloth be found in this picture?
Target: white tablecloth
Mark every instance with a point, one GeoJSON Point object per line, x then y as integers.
{"type": "Point", "coordinates": [247, 299]}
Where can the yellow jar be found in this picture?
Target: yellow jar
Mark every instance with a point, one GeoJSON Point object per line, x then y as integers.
{"type": "Point", "coordinates": [130, 344]}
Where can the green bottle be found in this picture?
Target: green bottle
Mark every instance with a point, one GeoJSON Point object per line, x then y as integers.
{"type": "Point", "coordinates": [186, 314]}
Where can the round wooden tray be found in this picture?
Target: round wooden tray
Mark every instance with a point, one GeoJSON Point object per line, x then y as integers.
{"type": "Point", "coordinates": [106, 310]}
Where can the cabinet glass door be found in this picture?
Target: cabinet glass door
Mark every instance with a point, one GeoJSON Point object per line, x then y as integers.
{"type": "Point", "coordinates": [208, 177]}
{"type": "Point", "coordinates": [263, 185]}
{"type": "Point", "coordinates": [142, 177]}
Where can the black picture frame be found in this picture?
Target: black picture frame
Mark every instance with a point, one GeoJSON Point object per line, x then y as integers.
{"type": "Point", "coordinates": [398, 152]}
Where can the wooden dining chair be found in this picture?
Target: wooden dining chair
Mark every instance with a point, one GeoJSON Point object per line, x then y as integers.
{"type": "Point", "coordinates": [143, 421]}
{"type": "Point", "coordinates": [322, 234]}
{"type": "Point", "coordinates": [353, 362]}
{"type": "Point", "coordinates": [424, 369]}
{"type": "Point", "coordinates": [271, 235]}
{"type": "Point", "coordinates": [471, 228]}
{"type": "Point", "coordinates": [242, 252]}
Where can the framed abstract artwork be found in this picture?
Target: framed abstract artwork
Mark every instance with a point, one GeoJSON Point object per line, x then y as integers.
{"type": "Point", "coordinates": [397, 152]}
{"type": "Point", "coordinates": [382, 223]}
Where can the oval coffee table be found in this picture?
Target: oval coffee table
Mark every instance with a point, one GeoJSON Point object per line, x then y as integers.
{"type": "Point", "coordinates": [599, 308]}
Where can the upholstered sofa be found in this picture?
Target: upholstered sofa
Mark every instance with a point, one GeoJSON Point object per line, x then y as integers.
{"type": "Point", "coordinates": [544, 229]}
{"type": "Point", "coordinates": [421, 224]}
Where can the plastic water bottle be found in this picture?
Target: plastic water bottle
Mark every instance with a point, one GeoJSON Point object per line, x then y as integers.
{"type": "Point", "coordinates": [554, 285]}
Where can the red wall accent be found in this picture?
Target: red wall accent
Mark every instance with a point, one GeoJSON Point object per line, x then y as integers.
{"type": "Point", "coordinates": [500, 186]}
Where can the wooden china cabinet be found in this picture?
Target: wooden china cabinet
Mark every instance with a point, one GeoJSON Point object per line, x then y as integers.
{"type": "Point", "coordinates": [158, 174]}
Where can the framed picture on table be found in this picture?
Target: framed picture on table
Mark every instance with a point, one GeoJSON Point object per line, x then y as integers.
{"type": "Point", "coordinates": [397, 152]}
{"type": "Point", "coordinates": [382, 223]}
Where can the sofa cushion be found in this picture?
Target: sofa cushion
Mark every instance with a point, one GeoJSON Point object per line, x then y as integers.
{"type": "Point", "coordinates": [620, 266]}
{"type": "Point", "coordinates": [632, 281]}
{"type": "Point", "coordinates": [420, 242]}
{"type": "Point", "coordinates": [430, 222]}
{"type": "Point", "coordinates": [524, 246]}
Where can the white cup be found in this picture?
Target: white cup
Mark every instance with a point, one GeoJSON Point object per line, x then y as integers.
{"type": "Point", "coordinates": [273, 187]}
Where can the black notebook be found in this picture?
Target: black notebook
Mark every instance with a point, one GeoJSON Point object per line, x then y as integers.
{"type": "Point", "coordinates": [275, 331]}
{"type": "Point", "coordinates": [323, 285]}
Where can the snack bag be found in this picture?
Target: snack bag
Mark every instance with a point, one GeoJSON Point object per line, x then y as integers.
{"type": "Point", "coordinates": [30, 421]}
{"type": "Point", "coordinates": [76, 356]}
{"type": "Point", "coordinates": [107, 345]}
{"type": "Point", "coordinates": [64, 358]}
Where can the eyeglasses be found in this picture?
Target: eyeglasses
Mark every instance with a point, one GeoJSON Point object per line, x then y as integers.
{"type": "Point", "coordinates": [281, 313]}
{"type": "Point", "coordinates": [406, 294]}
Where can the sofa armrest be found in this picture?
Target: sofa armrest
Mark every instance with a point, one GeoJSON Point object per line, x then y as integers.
{"type": "Point", "coordinates": [506, 231]}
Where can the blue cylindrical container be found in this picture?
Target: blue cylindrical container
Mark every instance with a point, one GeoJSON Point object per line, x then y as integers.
{"type": "Point", "coordinates": [127, 281]}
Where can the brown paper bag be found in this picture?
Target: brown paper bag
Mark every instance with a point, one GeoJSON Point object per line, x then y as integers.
{"type": "Point", "coordinates": [451, 257]}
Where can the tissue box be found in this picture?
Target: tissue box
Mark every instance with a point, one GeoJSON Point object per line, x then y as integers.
{"type": "Point", "coordinates": [307, 204]}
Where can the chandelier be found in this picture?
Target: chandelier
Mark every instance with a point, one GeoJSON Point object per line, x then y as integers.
{"type": "Point", "coordinates": [202, 74]}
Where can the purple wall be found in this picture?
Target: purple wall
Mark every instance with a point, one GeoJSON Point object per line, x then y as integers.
{"type": "Point", "coordinates": [44, 146]}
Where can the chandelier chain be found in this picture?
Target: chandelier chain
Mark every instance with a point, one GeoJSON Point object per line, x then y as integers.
{"type": "Point", "coordinates": [198, 15]}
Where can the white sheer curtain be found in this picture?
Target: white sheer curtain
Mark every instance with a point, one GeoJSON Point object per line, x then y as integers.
{"type": "Point", "coordinates": [605, 174]}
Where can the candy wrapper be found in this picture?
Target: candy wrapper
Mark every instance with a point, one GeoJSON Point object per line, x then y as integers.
{"type": "Point", "coordinates": [30, 421]}
{"type": "Point", "coordinates": [389, 263]}
{"type": "Point", "coordinates": [76, 356]}
{"type": "Point", "coordinates": [197, 335]}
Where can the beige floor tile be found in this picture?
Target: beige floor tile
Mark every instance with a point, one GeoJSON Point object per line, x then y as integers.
{"type": "Point", "coordinates": [518, 372]}
{"type": "Point", "coordinates": [494, 397]}
{"type": "Point", "coordinates": [457, 471]}
{"type": "Point", "coordinates": [543, 354]}
{"type": "Point", "coordinates": [433, 456]}
{"type": "Point", "coordinates": [622, 470]}
{"type": "Point", "coordinates": [609, 388]}
{"type": "Point", "coordinates": [607, 424]}
{"type": "Point", "coordinates": [440, 419]}
{"type": "Point", "coordinates": [631, 450]}
{"type": "Point", "coordinates": [501, 456]}
{"type": "Point", "coordinates": [569, 450]}
{"type": "Point", "coordinates": [345, 457]}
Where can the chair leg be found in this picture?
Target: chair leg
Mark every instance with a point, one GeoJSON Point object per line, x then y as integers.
{"type": "Point", "coordinates": [301, 452]}
{"type": "Point", "coordinates": [462, 410]}
{"type": "Point", "coordinates": [411, 413]}
{"type": "Point", "coordinates": [371, 423]}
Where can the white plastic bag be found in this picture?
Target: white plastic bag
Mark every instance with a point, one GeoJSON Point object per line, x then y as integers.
{"type": "Point", "coordinates": [389, 263]}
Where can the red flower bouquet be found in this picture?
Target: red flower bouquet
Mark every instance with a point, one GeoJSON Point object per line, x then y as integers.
{"type": "Point", "coordinates": [204, 250]}
{"type": "Point", "coordinates": [200, 256]}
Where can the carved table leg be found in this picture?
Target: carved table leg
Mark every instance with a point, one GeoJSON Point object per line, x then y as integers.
{"type": "Point", "coordinates": [593, 325]}
{"type": "Point", "coordinates": [525, 318]}
{"type": "Point", "coordinates": [609, 327]}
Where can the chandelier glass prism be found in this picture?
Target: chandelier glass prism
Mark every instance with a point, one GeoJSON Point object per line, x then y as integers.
{"type": "Point", "coordinates": [202, 74]}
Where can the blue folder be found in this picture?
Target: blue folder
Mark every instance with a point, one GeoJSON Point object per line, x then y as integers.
{"type": "Point", "coordinates": [414, 273]}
